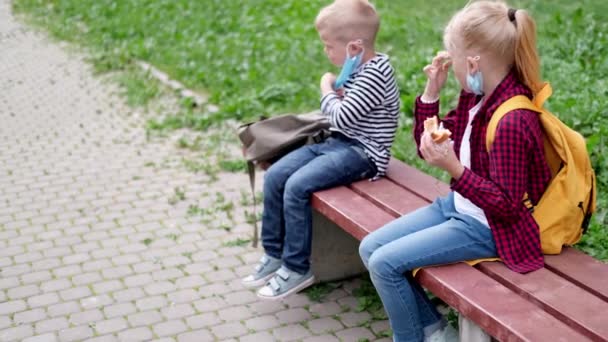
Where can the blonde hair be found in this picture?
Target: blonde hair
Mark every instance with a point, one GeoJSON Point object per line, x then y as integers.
{"type": "Point", "coordinates": [487, 26]}
{"type": "Point", "coordinates": [348, 20]}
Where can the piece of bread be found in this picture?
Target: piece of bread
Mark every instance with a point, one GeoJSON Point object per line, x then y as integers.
{"type": "Point", "coordinates": [430, 124]}
{"type": "Point", "coordinates": [439, 135]}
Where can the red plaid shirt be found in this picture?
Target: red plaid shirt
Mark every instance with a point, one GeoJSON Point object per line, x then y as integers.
{"type": "Point", "coordinates": [496, 182]}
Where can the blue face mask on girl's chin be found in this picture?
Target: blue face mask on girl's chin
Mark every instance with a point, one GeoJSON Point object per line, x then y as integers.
{"type": "Point", "coordinates": [475, 83]}
{"type": "Point", "coordinates": [350, 65]}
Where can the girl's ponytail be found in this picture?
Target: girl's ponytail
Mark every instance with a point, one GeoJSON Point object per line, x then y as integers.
{"type": "Point", "coordinates": [527, 61]}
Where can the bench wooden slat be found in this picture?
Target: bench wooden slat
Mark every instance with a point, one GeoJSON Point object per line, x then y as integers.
{"type": "Point", "coordinates": [582, 310]}
{"type": "Point", "coordinates": [387, 195]}
{"type": "Point", "coordinates": [581, 269]}
{"type": "Point", "coordinates": [353, 213]}
{"type": "Point", "coordinates": [495, 308]}
{"type": "Point", "coordinates": [416, 181]}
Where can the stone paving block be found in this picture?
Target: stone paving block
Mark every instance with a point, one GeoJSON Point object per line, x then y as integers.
{"type": "Point", "coordinates": [228, 330]}
{"type": "Point", "coordinates": [8, 308]}
{"type": "Point", "coordinates": [16, 333]}
{"type": "Point", "coordinates": [293, 315]}
{"type": "Point", "coordinates": [63, 309]}
{"type": "Point", "coordinates": [9, 282]}
{"type": "Point", "coordinates": [55, 285]}
{"type": "Point", "coordinates": [380, 327]}
{"type": "Point", "coordinates": [108, 286]}
{"type": "Point", "coordinates": [67, 271]}
{"type": "Point", "coordinates": [355, 334]}
{"type": "Point", "coordinates": [354, 319]}
{"type": "Point", "coordinates": [138, 280]}
{"type": "Point", "coordinates": [106, 338]}
{"type": "Point", "coordinates": [117, 310]}
{"type": "Point", "coordinates": [324, 325]}
{"type": "Point", "coordinates": [145, 318]}
{"type": "Point", "coordinates": [128, 294]}
{"type": "Point", "coordinates": [96, 265]}
{"type": "Point", "coordinates": [5, 322]}
{"type": "Point", "coordinates": [96, 301]}
{"type": "Point", "coordinates": [324, 338]}
{"type": "Point", "coordinates": [75, 334]}
{"type": "Point", "coordinates": [214, 289]}
{"type": "Point", "coordinates": [177, 311]}
{"type": "Point", "coordinates": [195, 336]}
{"type": "Point", "coordinates": [159, 287]}
{"type": "Point", "coordinates": [149, 303]}
{"type": "Point", "coordinates": [36, 277]}
{"type": "Point", "coordinates": [16, 270]}
{"type": "Point", "coordinates": [262, 323]}
{"type": "Point", "coordinates": [326, 309]}
{"type": "Point", "coordinates": [75, 293]}
{"type": "Point", "coordinates": [49, 337]}
{"type": "Point", "coordinates": [166, 274]}
{"type": "Point", "coordinates": [43, 300]}
{"type": "Point", "coordinates": [170, 328]}
{"type": "Point", "coordinates": [291, 332]}
{"type": "Point", "coordinates": [80, 318]}
{"type": "Point", "coordinates": [235, 313]}
{"type": "Point", "coordinates": [240, 297]}
{"type": "Point", "coordinates": [210, 304]}
{"type": "Point", "coordinates": [52, 324]}
{"type": "Point", "coordinates": [29, 316]}
{"type": "Point", "coordinates": [116, 272]}
{"type": "Point", "coordinates": [110, 326]}
{"type": "Point", "coordinates": [203, 320]}
{"type": "Point", "coordinates": [136, 334]}
{"type": "Point", "coordinates": [86, 278]}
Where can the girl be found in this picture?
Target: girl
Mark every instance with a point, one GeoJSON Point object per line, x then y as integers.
{"type": "Point", "coordinates": [492, 50]}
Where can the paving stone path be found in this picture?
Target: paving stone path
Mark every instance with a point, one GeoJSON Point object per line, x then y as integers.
{"type": "Point", "coordinates": [102, 231]}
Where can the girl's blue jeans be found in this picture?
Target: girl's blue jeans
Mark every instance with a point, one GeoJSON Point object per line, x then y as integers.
{"type": "Point", "coordinates": [432, 235]}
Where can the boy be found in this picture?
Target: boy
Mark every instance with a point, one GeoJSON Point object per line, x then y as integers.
{"type": "Point", "coordinates": [362, 106]}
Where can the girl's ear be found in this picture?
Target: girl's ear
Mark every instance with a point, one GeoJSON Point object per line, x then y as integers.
{"type": "Point", "coordinates": [473, 64]}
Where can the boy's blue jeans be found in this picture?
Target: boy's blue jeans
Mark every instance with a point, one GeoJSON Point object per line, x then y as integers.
{"type": "Point", "coordinates": [432, 235]}
{"type": "Point", "coordinates": [288, 185]}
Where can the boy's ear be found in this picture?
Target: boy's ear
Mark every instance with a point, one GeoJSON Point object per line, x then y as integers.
{"type": "Point", "coordinates": [473, 64]}
{"type": "Point", "coordinates": [355, 47]}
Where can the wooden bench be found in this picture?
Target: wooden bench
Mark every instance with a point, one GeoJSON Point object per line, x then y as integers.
{"type": "Point", "coordinates": [565, 301]}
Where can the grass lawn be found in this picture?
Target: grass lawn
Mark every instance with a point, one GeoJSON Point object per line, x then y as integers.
{"type": "Point", "coordinates": [263, 57]}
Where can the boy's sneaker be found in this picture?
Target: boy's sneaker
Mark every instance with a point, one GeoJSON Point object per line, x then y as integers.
{"type": "Point", "coordinates": [447, 334]}
{"type": "Point", "coordinates": [284, 283]}
{"type": "Point", "coordinates": [263, 272]}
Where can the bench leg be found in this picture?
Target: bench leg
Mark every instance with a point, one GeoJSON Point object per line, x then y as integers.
{"type": "Point", "coordinates": [471, 332]}
{"type": "Point", "coordinates": [335, 253]}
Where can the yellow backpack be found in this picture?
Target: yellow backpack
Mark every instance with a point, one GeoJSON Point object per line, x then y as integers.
{"type": "Point", "coordinates": [565, 208]}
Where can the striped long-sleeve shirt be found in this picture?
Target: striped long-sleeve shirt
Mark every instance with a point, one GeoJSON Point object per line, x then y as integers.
{"type": "Point", "coordinates": [369, 111]}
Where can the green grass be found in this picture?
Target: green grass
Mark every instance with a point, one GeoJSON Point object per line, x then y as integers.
{"type": "Point", "coordinates": [262, 57]}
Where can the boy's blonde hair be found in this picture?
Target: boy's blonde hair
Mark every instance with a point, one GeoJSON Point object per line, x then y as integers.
{"type": "Point", "coordinates": [348, 20]}
{"type": "Point", "coordinates": [491, 26]}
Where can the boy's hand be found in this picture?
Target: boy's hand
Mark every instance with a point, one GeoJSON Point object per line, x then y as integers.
{"type": "Point", "coordinates": [441, 155]}
{"type": "Point", "coordinates": [437, 74]}
{"type": "Point", "coordinates": [327, 83]}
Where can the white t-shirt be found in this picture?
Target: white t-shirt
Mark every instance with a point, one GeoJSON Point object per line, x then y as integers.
{"type": "Point", "coordinates": [463, 205]}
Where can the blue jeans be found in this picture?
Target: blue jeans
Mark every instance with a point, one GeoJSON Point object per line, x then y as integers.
{"type": "Point", "coordinates": [288, 186]}
{"type": "Point", "coordinates": [435, 234]}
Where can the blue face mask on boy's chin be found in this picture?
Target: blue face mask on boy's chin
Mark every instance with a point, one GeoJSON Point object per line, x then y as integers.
{"type": "Point", "coordinates": [351, 63]}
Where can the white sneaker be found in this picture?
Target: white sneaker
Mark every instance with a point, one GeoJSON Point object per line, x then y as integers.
{"type": "Point", "coordinates": [447, 334]}
{"type": "Point", "coordinates": [263, 271]}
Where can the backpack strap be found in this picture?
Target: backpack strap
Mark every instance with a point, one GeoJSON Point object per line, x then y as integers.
{"type": "Point", "coordinates": [251, 171]}
{"type": "Point", "coordinates": [516, 102]}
